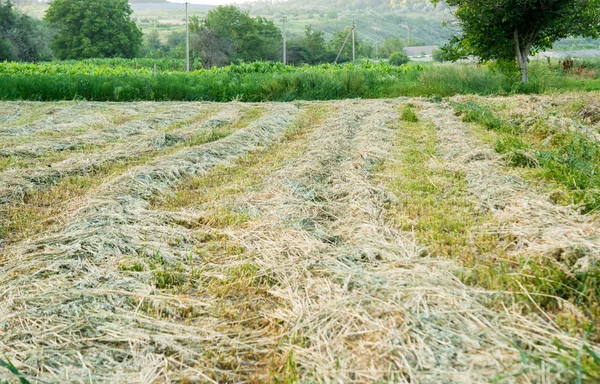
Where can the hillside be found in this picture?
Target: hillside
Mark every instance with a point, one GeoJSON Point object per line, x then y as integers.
{"type": "Point", "coordinates": [375, 20]}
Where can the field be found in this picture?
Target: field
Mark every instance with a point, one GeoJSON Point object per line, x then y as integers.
{"type": "Point", "coordinates": [393, 240]}
{"type": "Point", "coordinates": [163, 80]}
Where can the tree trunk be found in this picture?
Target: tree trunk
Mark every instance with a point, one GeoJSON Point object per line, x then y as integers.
{"type": "Point", "coordinates": [522, 54]}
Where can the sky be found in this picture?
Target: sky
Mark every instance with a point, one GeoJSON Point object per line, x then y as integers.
{"type": "Point", "coordinates": [209, 2]}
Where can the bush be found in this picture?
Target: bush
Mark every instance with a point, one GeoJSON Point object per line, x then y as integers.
{"type": "Point", "coordinates": [438, 55]}
{"type": "Point", "coordinates": [398, 58]}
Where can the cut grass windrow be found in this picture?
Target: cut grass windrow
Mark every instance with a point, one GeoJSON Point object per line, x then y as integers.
{"type": "Point", "coordinates": [99, 244]}
{"type": "Point", "coordinates": [437, 204]}
{"type": "Point", "coordinates": [318, 243]}
{"type": "Point", "coordinates": [42, 207]}
{"type": "Point", "coordinates": [568, 158]}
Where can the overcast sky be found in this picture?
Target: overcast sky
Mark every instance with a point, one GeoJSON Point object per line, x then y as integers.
{"type": "Point", "coordinates": [209, 2]}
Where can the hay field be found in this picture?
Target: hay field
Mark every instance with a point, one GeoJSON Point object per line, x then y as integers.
{"type": "Point", "coordinates": [331, 242]}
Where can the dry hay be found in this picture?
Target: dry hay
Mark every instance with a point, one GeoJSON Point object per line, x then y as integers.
{"type": "Point", "coordinates": [558, 113]}
{"type": "Point", "coordinates": [340, 297]}
{"type": "Point", "coordinates": [541, 226]}
{"type": "Point", "coordinates": [131, 140]}
{"type": "Point", "coordinates": [92, 302]}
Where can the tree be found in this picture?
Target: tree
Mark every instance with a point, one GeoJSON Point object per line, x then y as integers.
{"type": "Point", "coordinates": [391, 45]}
{"type": "Point", "coordinates": [21, 37]}
{"type": "Point", "coordinates": [398, 58]}
{"type": "Point", "coordinates": [514, 29]}
{"type": "Point", "coordinates": [215, 50]}
{"type": "Point", "coordinates": [337, 40]}
{"type": "Point", "coordinates": [152, 45]}
{"type": "Point", "coordinates": [311, 49]}
{"type": "Point", "coordinates": [244, 38]}
{"type": "Point", "coordinates": [87, 29]}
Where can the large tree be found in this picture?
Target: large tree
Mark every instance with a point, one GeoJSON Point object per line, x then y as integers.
{"type": "Point", "coordinates": [100, 28]}
{"type": "Point", "coordinates": [514, 29]}
{"type": "Point", "coordinates": [236, 35]}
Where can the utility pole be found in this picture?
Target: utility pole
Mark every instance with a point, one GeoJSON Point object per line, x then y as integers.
{"type": "Point", "coordinates": [343, 45]}
{"type": "Point", "coordinates": [284, 41]}
{"type": "Point", "coordinates": [376, 49]}
{"type": "Point", "coordinates": [187, 39]}
{"type": "Point", "coordinates": [353, 43]}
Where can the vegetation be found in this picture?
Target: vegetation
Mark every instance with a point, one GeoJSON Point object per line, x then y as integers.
{"type": "Point", "coordinates": [21, 37]}
{"type": "Point", "coordinates": [434, 204]}
{"type": "Point", "coordinates": [390, 46]}
{"type": "Point", "coordinates": [312, 48]}
{"type": "Point", "coordinates": [228, 35]}
{"type": "Point", "coordinates": [128, 80]}
{"type": "Point", "coordinates": [398, 58]}
{"type": "Point", "coordinates": [87, 29]}
{"type": "Point", "coordinates": [568, 158]}
{"type": "Point", "coordinates": [515, 29]}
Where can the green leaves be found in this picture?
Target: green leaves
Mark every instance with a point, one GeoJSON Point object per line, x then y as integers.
{"type": "Point", "coordinates": [87, 29]}
{"type": "Point", "coordinates": [503, 29]}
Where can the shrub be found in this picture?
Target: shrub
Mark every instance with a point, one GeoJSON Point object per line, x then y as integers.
{"type": "Point", "coordinates": [438, 55]}
{"type": "Point", "coordinates": [398, 58]}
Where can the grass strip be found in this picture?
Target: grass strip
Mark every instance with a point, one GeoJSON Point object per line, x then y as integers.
{"type": "Point", "coordinates": [434, 204]}
{"type": "Point", "coordinates": [568, 158]}
{"type": "Point", "coordinates": [41, 208]}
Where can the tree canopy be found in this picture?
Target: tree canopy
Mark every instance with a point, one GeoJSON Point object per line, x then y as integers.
{"type": "Point", "coordinates": [87, 29]}
{"type": "Point", "coordinates": [228, 34]}
{"type": "Point", "coordinates": [21, 37]}
{"type": "Point", "coordinates": [514, 29]}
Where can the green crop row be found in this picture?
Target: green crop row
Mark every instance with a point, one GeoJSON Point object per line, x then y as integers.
{"type": "Point", "coordinates": [131, 80]}
{"type": "Point", "coordinates": [101, 67]}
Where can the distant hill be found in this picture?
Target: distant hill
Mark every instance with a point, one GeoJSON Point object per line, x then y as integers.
{"type": "Point", "coordinates": [375, 19]}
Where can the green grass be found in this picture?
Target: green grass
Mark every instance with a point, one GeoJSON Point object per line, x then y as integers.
{"type": "Point", "coordinates": [408, 114]}
{"type": "Point", "coordinates": [568, 158]}
{"type": "Point", "coordinates": [123, 80]}
{"type": "Point", "coordinates": [434, 204]}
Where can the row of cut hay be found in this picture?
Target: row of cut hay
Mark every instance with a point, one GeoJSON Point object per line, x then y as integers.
{"type": "Point", "coordinates": [148, 138]}
{"type": "Point", "coordinates": [547, 114]}
{"type": "Point", "coordinates": [361, 304]}
{"type": "Point", "coordinates": [71, 314]}
{"type": "Point", "coordinates": [103, 123]}
{"type": "Point", "coordinates": [542, 225]}
{"type": "Point", "coordinates": [542, 233]}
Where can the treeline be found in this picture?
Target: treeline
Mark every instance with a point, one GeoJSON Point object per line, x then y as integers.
{"type": "Point", "coordinates": [80, 29]}
{"type": "Point", "coordinates": [229, 35]}
{"type": "Point", "coordinates": [21, 37]}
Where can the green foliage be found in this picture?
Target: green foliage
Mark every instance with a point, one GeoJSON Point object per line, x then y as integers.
{"type": "Point", "coordinates": [390, 46]}
{"type": "Point", "coordinates": [570, 158]}
{"type": "Point", "coordinates": [228, 35]}
{"type": "Point", "coordinates": [337, 40]}
{"type": "Point", "coordinates": [21, 37]}
{"type": "Point", "coordinates": [128, 80]}
{"type": "Point", "coordinates": [409, 115]}
{"type": "Point", "coordinates": [517, 152]}
{"type": "Point", "coordinates": [516, 28]}
{"type": "Point", "coordinates": [88, 29]}
{"type": "Point", "coordinates": [574, 161]}
{"type": "Point", "coordinates": [438, 56]}
{"type": "Point", "coordinates": [398, 58]}
{"type": "Point", "coordinates": [473, 112]}
{"type": "Point", "coordinates": [8, 365]}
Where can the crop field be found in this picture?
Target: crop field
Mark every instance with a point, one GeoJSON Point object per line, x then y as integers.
{"type": "Point", "coordinates": [118, 80]}
{"type": "Point", "coordinates": [402, 240]}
